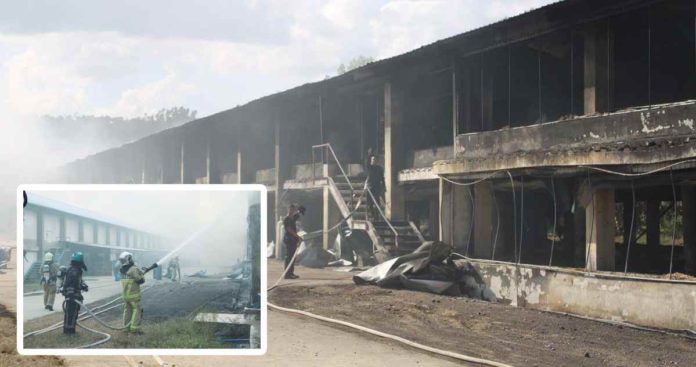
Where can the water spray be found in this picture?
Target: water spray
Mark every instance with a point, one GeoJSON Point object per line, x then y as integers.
{"type": "Point", "coordinates": [190, 239]}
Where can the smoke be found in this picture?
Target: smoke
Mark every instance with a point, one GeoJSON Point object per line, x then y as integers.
{"type": "Point", "coordinates": [26, 156]}
{"type": "Point", "coordinates": [33, 149]}
{"type": "Point", "coordinates": [219, 218]}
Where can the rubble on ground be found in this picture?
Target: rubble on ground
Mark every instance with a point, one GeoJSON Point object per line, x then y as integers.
{"type": "Point", "coordinates": [430, 268]}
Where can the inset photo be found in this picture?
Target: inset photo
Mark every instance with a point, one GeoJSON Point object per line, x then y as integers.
{"type": "Point", "coordinates": [141, 269]}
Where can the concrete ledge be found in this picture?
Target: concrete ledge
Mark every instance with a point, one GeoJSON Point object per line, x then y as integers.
{"type": "Point", "coordinates": [265, 176]}
{"type": "Point", "coordinates": [304, 184]}
{"type": "Point", "coordinates": [668, 120]}
{"type": "Point", "coordinates": [637, 136]}
{"type": "Point", "coordinates": [645, 301]}
{"type": "Point", "coordinates": [417, 174]}
{"type": "Point", "coordinates": [426, 157]}
{"type": "Point", "coordinates": [665, 150]}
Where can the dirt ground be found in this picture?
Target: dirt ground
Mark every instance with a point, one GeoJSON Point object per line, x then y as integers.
{"type": "Point", "coordinates": [503, 333]}
{"type": "Point", "coordinates": [8, 326]}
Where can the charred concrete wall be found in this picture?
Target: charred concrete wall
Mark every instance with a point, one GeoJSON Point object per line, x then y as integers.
{"type": "Point", "coordinates": [640, 126]}
{"type": "Point", "coordinates": [650, 302]}
{"type": "Point", "coordinates": [629, 137]}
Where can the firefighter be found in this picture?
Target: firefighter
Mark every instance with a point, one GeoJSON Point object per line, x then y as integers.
{"type": "Point", "coordinates": [72, 289]}
{"type": "Point", "coordinates": [131, 279]}
{"type": "Point", "coordinates": [49, 277]}
{"type": "Point", "coordinates": [291, 239]}
{"type": "Point", "coordinates": [174, 270]}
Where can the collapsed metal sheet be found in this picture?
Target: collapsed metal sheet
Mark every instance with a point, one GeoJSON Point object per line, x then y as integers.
{"type": "Point", "coordinates": [428, 269]}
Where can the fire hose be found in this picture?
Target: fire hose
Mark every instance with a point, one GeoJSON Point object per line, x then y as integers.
{"type": "Point", "coordinates": [364, 329]}
{"type": "Point", "coordinates": [89, 313]}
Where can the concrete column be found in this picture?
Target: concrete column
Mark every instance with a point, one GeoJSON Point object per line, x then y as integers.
{"type": "Point", "coordinates": [107, 234]}
{"type": "Point", "coordinates": [80, 230]}
{"type": "Point", "coordinates": [394, 206]}
{"type": "Point", "coordinates": [444, 211]}
{"type": "Point", "coordinates": [688, 196]}
{"type": "Point", "coordinates": [326, 204]}
{"type": "Point", "coordinates": [600, 230]}
{"type": "Point", "coordinates": [590, 68]}
{"type": "Point", "coordinates": [456, 215]}
{"type": "Point", "coordinates": [276, 174]}
{"type": "Point", "coordinates": [483, 220]}
{"type": "Point", "coordinates": [461, 219]}
{"type": "Point", "coordinates": [597, 60]}
{"type": "Point", "coordinates": [239, 165]}
{"type": "Point", "coordinates": [181, 164]}
{"type": "Point", "coordinates": [455, 105]}
{"type": "Point", "coordinates": [39, 234]}
{"type": "Point", "coordinates": [118, 237]}
{"type": "Point", "coordinates": [61, 228]}
{"type": "Point", "coordinates": [207, 163]}
{"type": "Point", "coordinates": [95, 232]}
{"type": "Point", "coordinates": [440, 198]}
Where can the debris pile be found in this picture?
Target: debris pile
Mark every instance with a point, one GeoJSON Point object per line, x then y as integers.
{"type": "Point", "coordinates": [430, 268]}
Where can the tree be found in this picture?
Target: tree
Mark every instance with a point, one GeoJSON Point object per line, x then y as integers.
{"type": "Point", "coordinates": [354, 63]}
{"type": "Point", "coordinates": [87, 134]}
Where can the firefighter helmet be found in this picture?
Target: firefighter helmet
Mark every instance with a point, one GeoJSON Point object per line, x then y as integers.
{"type": "Point", "coordinates": [77, 256]}
{"type": "Point", "coordinates": [48, 257]}
{"type": "Point", "coordinates": [126, 258]}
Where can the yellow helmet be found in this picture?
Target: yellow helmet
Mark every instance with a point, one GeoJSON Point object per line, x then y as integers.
{"type": "Point", "coordinates": [48, 256]}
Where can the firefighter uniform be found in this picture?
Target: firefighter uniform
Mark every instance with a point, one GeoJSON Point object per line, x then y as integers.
{"type": "Point", "coordinates": [49, 278]}
{"type": "Point", "coordinates": [72, 289]}
{"type": "Point", "coordinates": [131, 279]}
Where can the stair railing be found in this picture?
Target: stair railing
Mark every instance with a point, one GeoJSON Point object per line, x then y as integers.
{"type": "Point", "coordinates": [327, 147]}
{"type": "Point", "coordinates": [376, 204]}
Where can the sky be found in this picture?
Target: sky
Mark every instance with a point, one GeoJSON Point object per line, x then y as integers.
{"type": "Point", "coordinates": [127, 58]}
{"type": "Point", "coordinates": [131, 57]}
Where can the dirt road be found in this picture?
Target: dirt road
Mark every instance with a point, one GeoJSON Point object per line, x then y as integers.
{"type": "Point", "coordinates": [516, 336]}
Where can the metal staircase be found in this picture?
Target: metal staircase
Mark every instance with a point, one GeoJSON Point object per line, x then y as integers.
{"type": "Point", "coordinates": [390, 238]}
{"type": "Point", "coordinates": [33, 275]}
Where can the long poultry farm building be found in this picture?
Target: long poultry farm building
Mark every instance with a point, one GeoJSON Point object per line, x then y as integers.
{"type": "Point", "coordinates": [556, 149]}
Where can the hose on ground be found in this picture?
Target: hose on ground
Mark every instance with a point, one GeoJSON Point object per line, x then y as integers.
{"type": "Point", "coordinates": [81, 316]}
{"type": "Point", "coordinates": [399, 339]}
{"type": "Point", "coordinates": [94, 315]}
{"type": "Point", "coordinates": [107, 337]}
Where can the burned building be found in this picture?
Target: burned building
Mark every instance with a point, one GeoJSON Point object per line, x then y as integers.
{"type": "Point", "coordinates": [555, 148]}
{"type": "Point", "coordinates": [54, 226]}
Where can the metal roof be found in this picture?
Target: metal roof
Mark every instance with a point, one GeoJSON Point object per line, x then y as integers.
{"type": "Point", "coordinates": [57, 205]}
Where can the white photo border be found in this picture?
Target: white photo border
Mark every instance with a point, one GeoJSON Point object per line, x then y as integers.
{"type": "Point", "coordinates": [261, 189]}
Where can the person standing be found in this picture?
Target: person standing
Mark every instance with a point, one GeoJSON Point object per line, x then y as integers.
{"type": "Point", "coordinates": [174, 270]}
{"type": "Point", "coordinates": [132, 278]}
{"type": "Point", "coordinates": [291, 239]}
{"type": "Point", "coordinates": [375, 182]}
{"type": "Point", "coordinates": [72, 289]}
{"type": "Point", "coordinates": [49, 278]}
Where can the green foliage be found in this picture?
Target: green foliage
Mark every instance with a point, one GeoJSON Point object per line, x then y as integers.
{"type": "Point", "coordinates": [109, 131]}
{"type": "Point", "coordinates": [171, 334]}
{"type": "Point", "coordinates": [354, 63]}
